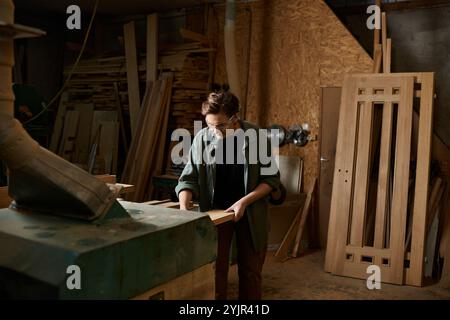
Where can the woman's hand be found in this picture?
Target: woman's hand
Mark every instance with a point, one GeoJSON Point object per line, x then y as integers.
{"type": "Point", "coordinates": [239, 209]}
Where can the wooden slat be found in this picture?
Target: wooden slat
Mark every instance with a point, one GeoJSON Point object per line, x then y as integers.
{"type": "Point", "coordinates": [82, 141]}
{"type": "Point", "coordinates": [305, 213]}
{"type": "Point", "coordinates": [378, 56]}
{"type": "Point", "coordinates": [5, 199]}
{"type": "Point", "coordinates": [376, 34]}
{"type": "Point", "coordinates": [106, 178]}
{"type": "Point", "coordinates": [132, 73]}
{"type": "Point", "coordinates": [422, 178]}
{"type": "Point", "coordinates": [123, 132]}
{"type": "Point", "coordinates": [191, 35]}
{"type": "Point", "coordinates": [59, 123]}
{"type": "Point", "coordinates": [361, 181]}
{"type": "Point", "coordinates": [282, 253]}
{"type": "Point", "coordinates": [388, 56]}
{"type": "Point", "coordinates": [401, 177]}
{"type": "Point", "coordinates": [384, 39]}
{"type": "Point", "coordinates": [134, 153]}
{"type": "Point", "coordinates": [343, 175]}
{"type": "Point", "coordinates": [67, 147]}
{"type": "Point", "coordinates": [383, 175]}
{"type": "Point", "coordinates": [219, 216]}
{"type": "Point", "coordinates": [152, 49]}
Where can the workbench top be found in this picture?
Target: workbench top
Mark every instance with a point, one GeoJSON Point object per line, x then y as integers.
{"type": "Point", "coordinates": [123, 257]}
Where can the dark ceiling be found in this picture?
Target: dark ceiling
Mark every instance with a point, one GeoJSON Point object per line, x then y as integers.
{"type": "Point", "coordinates": [107, 7]}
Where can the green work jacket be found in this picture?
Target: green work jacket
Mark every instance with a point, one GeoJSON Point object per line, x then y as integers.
{"type": "Point", "coordinates": [199, 177]}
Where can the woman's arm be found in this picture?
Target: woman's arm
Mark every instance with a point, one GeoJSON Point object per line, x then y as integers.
{"type": "Point", "coordinates": [262, 190]}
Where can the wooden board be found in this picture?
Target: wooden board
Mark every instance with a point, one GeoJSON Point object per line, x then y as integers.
{"type": "Point", "coordinates": [422, 177]}
{"type": "Point", "coordinates": [5, 199]}
{"type": "Point", "coordinates": [132, 73]}
{"type": "Point", "coordinates": [305, 214]}
{"type": "Point", "coordinates": [290, 173]}
{"type": "Point", "coordinates": [382, 206]}
{"type": "Point", "coordinates": [82, 141]}
{"type": "Point", "coordinates": [152, 49]}
{"type": "Point", "coordinates": [360, 195]}
{"type": "Point", "coordinates": [219, 216]}
{"type": "Point", "coordinates": [331, 98]}
{"type": "Point", "coordinates": [343, 176]}
{"type": "Point", "coordinates": [59, 123]}
{"type": "Point", "coordinates": [67, 146]}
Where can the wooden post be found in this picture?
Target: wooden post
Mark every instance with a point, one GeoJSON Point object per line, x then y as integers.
{"type": "Point", "coordinates": [132, 74]}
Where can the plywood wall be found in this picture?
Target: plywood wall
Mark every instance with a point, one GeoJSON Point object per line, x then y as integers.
{"type": "Point", "coordinates": [296, 46]}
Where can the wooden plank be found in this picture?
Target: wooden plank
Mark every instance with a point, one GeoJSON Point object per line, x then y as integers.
{"type": "Point", "coordinates": [123, 132]}
{"type": "Point", "coordinates": [59, 123]}
{"type": "Point", "coordinates": [388, 56]}
{"type": "Point", "coordinates": [384, 39]}
{"type": "Point", "coordinates": [101, 116]}
{"type": "Point", "coordinates": [156, 202]}
{"type": "Point", "coordinates": [361, 190]}
{"type": "Point", "coordinates": [289, 167]}
{"type": "Point", "coordinates": [152, 49]}
{"type": "Point", "coordinates": [444, 247]}
{"type": "Point", "coordinates": [343, 176]}
{"type": "Point", "coordinates": [401, 178]}
{"type": "Point", "coordinates": [161, 154]}
{"type": "Point", "coordinates": [331, 98]}
{"type": "Point", "coordinates": [219, 216]}
{"type": "Point", "coordinates": [422, 178]}
{"type": "Point", "coordinates": [106, 178]}
{"type": "Point", "coordinates": [430, 246]}
{"type": "Point", "coordinates": [384, 176]}
{"type": "Point", "coordinates": [108, 145]}
{"type": "Point", "coordinates": [67, 148]}
{"type": "Point", "coordinates": [191, 35]}
{"type": "Point", "coordinates": [130, 168]}
{"type": "Point", "coordinates": [282, 253]}
{"type": "Point", "coordinates": [377, 59]}
{"type": "Point", "coordinates": [151, 140]}
{"type": "Point", "coordinates": [125, 188]}
{"type": "Point", "coordinates": [5, 199]}
{"type": "Point", "coordinates": [83, 138]}
{"type": "Point", "coordinates": [376, 33]}
{"type": "Point", "coordinates": [305, 212]}
{"type": "Point", "coordinates": [132, 73]}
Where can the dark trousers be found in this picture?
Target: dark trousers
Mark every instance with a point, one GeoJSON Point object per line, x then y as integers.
{"type": "Point", "coordinates": [249, 261]}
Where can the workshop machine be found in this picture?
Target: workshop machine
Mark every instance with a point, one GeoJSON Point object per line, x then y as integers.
{"type": "Point", "coordinates": [65, 235]}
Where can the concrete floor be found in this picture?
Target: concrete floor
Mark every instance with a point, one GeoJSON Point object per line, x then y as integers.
{"type": "Point", "coordinates": [304, 278]}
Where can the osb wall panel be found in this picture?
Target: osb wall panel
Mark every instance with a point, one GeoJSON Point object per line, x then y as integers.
{"type": "Point", "coordinates": [297, 46]}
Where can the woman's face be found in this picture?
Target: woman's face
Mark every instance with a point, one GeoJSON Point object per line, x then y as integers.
{"type": "Point", "coordinates": [219, 123]}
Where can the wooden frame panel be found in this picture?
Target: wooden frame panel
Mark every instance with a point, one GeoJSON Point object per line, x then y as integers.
{"type": "Point", "coordinates": [345, 251]}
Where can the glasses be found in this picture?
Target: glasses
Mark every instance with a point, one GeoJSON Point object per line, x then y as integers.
{"type": "Point", "coordinates": [222, 126]}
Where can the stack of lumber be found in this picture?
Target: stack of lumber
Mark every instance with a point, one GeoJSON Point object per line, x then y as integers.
{"type": "Point", "coordinates": [86, 136]}
{"type": "Point", "coordinates": [190, 66]}
{"type": "Point", "coordinates": [93, 81]}
{"type": "Point", "coordinates": [145, 158]}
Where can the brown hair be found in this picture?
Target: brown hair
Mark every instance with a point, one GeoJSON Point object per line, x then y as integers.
{"type": "Point", "coordinates": [225, 102]}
